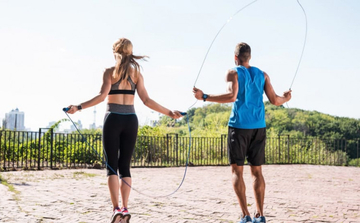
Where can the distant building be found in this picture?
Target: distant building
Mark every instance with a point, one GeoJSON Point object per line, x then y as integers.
{"type": "Point", "coordinates": [78, 125]}
{"type": "Point", "coordinates": [51, 124]}
{"type": "Point", "coordinates": [93, 126]}
{"type": "Point", "coordinates": [153, 123]}
{"type": "Point", "coordinates": [14, 120]}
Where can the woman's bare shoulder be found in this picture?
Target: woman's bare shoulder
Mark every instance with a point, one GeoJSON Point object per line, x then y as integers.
{"type": "Point", "coordinates": [135, 77]}
{"type": "Point", "coordinates": [109, 70]}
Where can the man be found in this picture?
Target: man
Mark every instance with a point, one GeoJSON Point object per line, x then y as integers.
{"type": "Point", "coordinates": [247, 128]}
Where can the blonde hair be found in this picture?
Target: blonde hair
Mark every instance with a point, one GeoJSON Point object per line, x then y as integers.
{"type": "Point", "coordinates": [125, 59]}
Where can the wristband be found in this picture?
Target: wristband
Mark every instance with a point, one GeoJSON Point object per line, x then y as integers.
{"type": "Point", "coordinates": [205, 96]}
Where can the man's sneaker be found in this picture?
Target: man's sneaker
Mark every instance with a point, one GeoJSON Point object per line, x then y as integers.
{"type": "Point", "coordinates": [126, 215]}
{"type": "Point", "coordinates": [260, 219]}
{"type": "Point", "coordinates": [245, 219]}
{"type": "Point", "coordinates": [116, 216]}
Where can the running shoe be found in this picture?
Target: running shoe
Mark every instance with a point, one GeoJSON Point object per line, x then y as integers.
{"type": "Point", "coordinates": [126, 215]}
{"type": "Point", "coordinates": [116, 216]}
{"type": "Point", "coordinates": [260, 219]}
{"type": "Point", "coordinates": [245, 219]}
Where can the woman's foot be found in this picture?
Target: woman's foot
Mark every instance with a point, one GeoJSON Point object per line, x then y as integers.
{"type": "Point", "coordinates": [116, 216]}
{"type": "Point", "coordinates": [125, 215]}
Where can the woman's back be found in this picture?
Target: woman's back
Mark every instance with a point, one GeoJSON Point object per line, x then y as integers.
{"type": "Point", "coordinates": [122, 91]}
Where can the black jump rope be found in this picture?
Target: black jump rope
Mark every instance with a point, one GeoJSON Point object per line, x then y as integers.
{"type": "Point", "coordinates": [184, 113]}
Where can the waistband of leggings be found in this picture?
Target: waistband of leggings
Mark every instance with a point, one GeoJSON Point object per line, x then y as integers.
{"type": "Point", "coordinates": [121, 109]}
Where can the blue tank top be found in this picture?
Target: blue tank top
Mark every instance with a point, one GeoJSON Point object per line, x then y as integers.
{"type": "Point", "coordinates": [248, 111]}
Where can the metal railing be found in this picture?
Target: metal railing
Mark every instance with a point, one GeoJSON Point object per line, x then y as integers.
{"type": "Point", "coordinates": [46, 149]}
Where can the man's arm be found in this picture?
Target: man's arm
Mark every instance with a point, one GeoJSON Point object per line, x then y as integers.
{"type": "Point", "coordinates": [272, 96]}
{"type": "Point", "coordinates": [230, 96]}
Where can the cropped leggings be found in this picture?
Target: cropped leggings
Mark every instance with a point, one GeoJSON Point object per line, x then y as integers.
{"type": "Point", "coordinates": [119, 138]}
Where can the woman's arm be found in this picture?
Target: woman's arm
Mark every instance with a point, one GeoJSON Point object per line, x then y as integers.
{"type": "Point", "coordinates": [104, 91]}
{"type": "Point", "coordinates": [150, 103]}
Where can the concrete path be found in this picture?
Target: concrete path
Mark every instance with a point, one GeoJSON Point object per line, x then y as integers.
{"type": "Point", "coordinates": [294, 193]}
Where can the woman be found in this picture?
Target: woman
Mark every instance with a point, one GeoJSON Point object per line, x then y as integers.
{"type": "Point", "coordinates": [121, 123]}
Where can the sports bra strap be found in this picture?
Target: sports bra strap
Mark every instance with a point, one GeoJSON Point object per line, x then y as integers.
{"type": "Point", "coordinates": [122, 92]}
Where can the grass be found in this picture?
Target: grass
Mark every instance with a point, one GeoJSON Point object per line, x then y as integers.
{"type": "Point", "coordinates": [12, 189]}
{"type": "Point", "coordinates": [83, 174]}
{"type": "Point", "coordinates": [9, 186]}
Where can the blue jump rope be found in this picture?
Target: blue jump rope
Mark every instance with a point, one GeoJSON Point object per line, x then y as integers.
{"type": "Point", "coordinates": [184, 113]}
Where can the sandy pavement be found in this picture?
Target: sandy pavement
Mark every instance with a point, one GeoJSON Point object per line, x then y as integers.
{"type": "Point", "coordinates": [294, 193]}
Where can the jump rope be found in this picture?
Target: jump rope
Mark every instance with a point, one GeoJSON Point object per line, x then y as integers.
{"type": "Point", "coordinates": [108, 166]}
{"type": "Point", "coordinates": [184, 113]}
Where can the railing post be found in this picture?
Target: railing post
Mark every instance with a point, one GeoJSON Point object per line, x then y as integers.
{"type": "Point", "coordinates": [316, 143]}
{"type": "Point", "coordinates": [279, 148]}
{"type": "Point", "coordinates": [177, 149]}
{"type": "Point", "coordinates": [346, 157]}
{"type": "Point", "coordinates": [51, 148]}
{"type": "Point", "coordinates": [39, 145]}
{"type": "Point", "coordinates": [222, 147]}
{"type": "Point", "coordinates": [357, 152]}
{"type": "Point", "coordinates": [288, 138]}
{"type": "Point", "coordinates": [1, 146]}
{"type": "Point", "coordinates": [167, 147]}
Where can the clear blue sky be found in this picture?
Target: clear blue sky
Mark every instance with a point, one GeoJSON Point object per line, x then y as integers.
{"type": "Point", "coordinates": [53, 53]}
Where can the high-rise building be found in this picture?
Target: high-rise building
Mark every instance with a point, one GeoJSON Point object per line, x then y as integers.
{"type": "Point", "coordinates": [14, 120]}
{"type": "Point", "coordinates": [78, 125]}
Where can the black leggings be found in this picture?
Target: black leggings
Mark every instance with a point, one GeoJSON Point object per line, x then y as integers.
{"type": "Point", "coordinates": [119, 138]}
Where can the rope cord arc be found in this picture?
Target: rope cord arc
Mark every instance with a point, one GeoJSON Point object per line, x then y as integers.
{"type": "Point", "coordinates": [212, 42]}
{"type": "Point", "coordinates": [301, 56]}
{"type": "Point", "coordinates": [105, 161]}
{"type": "Point", "coordinates": [183, 179]}
{"type": "Point", "coordinates": [303, 48]}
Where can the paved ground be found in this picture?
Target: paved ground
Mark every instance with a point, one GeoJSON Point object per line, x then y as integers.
{"type": "Point", "coordinates": [294, 193]}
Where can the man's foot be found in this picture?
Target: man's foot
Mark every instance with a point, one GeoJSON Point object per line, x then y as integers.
{"type": "Point", "coordinates": [116, 216]}
{"type": "Point", "coordinates": [245, 219]}
{"type": "Point", "coordinates": [259, 219]}
{"type": "Point", "coordinates": [126, 215]}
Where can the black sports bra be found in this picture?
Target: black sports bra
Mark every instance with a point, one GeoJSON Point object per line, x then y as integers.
{"type": "Point", "coordinates": [115, 88]}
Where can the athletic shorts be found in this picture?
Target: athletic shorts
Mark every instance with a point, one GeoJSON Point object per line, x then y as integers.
{"type": "Point", "coordinates": [246, 144]}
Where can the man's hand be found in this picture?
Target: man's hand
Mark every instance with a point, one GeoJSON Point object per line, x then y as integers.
{"type": "Point", "coordinates": [198, 94]}
{"type": "Point", "coordinates": [287, 95]}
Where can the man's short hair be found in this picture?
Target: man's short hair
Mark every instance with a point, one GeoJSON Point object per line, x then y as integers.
{"type": "Point", "coordinates": [243, 52]}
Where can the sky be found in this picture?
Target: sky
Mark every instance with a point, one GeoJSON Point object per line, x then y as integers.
{"type": "Point", "coordinates": [53, 53]}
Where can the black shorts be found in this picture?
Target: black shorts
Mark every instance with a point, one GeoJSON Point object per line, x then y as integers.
{"type": "Point", "coordinates": [246, 143]}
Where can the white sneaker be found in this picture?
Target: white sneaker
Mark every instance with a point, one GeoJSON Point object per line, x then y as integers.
{"type": "Point", "coordinates": [116, 216]}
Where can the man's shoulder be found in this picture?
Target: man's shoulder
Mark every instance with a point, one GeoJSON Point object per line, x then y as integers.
{"type": "Point", "coordinates": [232, 71]}
{"type": "Point", "coordinates": [231, 75]}
{"type": "Point", "coordinates": [256, 68]}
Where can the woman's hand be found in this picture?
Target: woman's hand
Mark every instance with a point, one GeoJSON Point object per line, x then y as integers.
{"type": "Point", "coordinates": [175, 114]}
{"type": "Point", "coordinates": [72, 109]}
